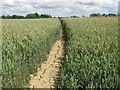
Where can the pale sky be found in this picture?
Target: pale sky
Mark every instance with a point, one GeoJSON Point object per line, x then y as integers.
{"type": "Point", "coordinates": [59, 7]}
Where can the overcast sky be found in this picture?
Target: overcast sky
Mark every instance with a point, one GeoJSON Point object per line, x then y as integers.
{"type": "Point", "coordinates": [59, 7]}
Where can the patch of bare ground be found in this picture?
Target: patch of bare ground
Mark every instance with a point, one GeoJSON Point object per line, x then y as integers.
{"type": "Point", "coordinates": [49, 70]}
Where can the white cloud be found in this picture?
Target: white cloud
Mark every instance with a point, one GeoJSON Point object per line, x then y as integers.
{"type": "Point", "coordinates": [27, 7]}
{"type": "Point", "coordinates": [8, 2]}
{"type": "Point", "coordinates": [58, 7]}
{"type": "Point", "coordinates": [88, 9]}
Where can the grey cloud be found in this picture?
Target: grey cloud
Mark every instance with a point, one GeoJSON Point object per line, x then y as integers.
{"type": "Point", "coordinates": [88, 3]}
{"type": "Point", "coordinates": [91, 3]}
{"type": "Point", "coordinates": [50, 5]}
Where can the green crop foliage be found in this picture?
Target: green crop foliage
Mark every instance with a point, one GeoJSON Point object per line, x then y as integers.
{"type": "Point", "coordinates": [0, 54]}
{"type": "Point", "coordinates": [25, 44]}
{"type": "Point", "coordinates": [91, 54]}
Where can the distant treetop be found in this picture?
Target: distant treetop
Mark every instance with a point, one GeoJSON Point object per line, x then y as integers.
{"type": "Point", "coordinates": [36, 15]}
{"type": "Point", "coordinates": [28, 16]}
{"type": "Point", "coordinates": [105, 15]}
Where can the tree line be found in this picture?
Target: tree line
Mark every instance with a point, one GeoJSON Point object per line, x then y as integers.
{"type": "Point", "coordinates": [36, 15]}
{"type": "Point", "coordinates": [98, 15]}
{"type": "Point", "coordinates": [104, 15]}
{"type": "Point", "coordinates": [28, 16]}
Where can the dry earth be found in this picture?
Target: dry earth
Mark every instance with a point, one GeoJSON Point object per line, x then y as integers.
{"type": "Point", "coordinates": [49, 70]}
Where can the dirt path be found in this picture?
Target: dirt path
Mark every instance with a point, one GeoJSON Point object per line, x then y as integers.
{"type": "Point", "coordinates": [48, 72]}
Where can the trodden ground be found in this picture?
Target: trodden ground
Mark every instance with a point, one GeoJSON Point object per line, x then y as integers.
{"type": "Point", "coordinates": [49, 70]}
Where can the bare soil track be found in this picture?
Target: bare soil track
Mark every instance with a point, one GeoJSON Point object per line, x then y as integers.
{"type": "Point", "coordinates": [49, 70]}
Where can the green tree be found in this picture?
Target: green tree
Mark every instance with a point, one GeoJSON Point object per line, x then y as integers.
{"type": "Point", "coordinates": [32, 15]}
{"type": "Point", "coordinates": [20, 17]}
{"type": "Point", "coordinates": [4, 17]}
{"type": "Point", "coordinates": [45, 16]}
{"type": "Point", "coordinates": [95, 15]}
{"type": "Point", "coordinates": [105, 15]}
{"type": "Point", "coordinates": [37, 15]}
{"type": "Point", "coordinates": [14, 16]}
{"type": "Point", "coordinates": [8, 17]}
{"type": "Point", "coordinates": [111, 14]}
{"type": "Point", "coordinates": [74, 16]}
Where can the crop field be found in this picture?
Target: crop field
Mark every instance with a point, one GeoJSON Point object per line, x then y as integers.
{"type": "Point", "coordinates": [91, 54]}
{"type": "Point", "coordinates": [90, 48]}
{"type": "Point", "coordinates": [25, 45]}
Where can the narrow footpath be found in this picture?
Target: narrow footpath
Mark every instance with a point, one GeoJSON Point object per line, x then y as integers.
{"type": "Point", "coordinates": [50, 69]}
